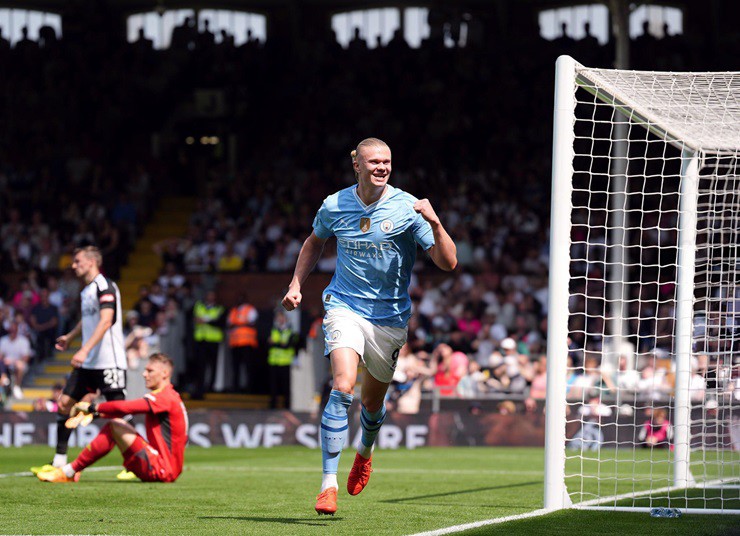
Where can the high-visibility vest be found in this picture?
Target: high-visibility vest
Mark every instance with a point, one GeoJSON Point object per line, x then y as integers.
{"type": "Point", "coordinates": [281, 353]}
{"type": "Point", "coordinates": [242, 333]}
{"type": "Point", "coordinates": [207, 332]}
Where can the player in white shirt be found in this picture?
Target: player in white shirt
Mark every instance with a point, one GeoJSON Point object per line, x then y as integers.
{"type": "Point", "coordinates": [100, 364]}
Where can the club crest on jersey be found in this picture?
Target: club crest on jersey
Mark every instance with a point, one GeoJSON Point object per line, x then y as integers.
{"type": "Point", "coordinates": [336, 335]}
{"type": "Point", "coordinates": [365, 224]}
{"type": "Point", "coordinates": [386, 226]}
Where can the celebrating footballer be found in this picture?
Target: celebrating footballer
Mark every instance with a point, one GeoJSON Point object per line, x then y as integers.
{"type": "Point", "coordinates": [367, 303]}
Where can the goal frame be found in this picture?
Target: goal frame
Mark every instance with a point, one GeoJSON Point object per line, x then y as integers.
{"type": "Point", "coordinates": [566, 81]}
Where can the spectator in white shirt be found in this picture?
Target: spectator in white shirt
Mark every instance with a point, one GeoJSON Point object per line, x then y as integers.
{"type": "Point", "coordinates": [170, 277]}
{"type": "Point", "coordinates": [15, 351]}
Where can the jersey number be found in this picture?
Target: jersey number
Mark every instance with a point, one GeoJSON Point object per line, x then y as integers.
{"type": "Point", "coordinates": [114, 378]}
{"type": "Point", "coordinates": [394, 357]}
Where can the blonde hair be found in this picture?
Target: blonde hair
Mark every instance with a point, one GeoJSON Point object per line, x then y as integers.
{"type": "Point", "coordinates": [367, 142]}
{"type": "Point", "coordinates": [160, 357]}
{"type": "Point", "coordinates": [91, 252]}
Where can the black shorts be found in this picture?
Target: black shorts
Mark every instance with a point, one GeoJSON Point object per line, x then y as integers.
{"type": "Point", "coordinates": [111, 382]}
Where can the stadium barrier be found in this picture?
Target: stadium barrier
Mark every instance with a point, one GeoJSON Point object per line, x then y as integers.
{"type": "Point", "coordinates": [251, 429]}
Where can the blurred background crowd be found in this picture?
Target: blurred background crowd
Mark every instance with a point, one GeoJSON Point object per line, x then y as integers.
{"type": "Point", "coordinates": [99, 129]}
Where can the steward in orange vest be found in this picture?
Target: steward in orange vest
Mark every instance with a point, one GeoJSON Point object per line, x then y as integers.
{"type": "Point", "coordinates": [243, 342]}
{"type": "Point", "coordinates": [241, 323]}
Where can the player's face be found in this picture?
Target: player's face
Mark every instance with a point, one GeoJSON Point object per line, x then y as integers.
{"type": "Point", "coordinates": [155, 374]}
{"type": "Point", "coordinates": [82, 264]}
{"type": "Point", "coordinates": [373, 165]}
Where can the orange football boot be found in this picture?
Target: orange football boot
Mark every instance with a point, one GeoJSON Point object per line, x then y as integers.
{"type": "Point", "coordinates": [326, 502]}
{"type": "Point", "coordinates": [57, 476]}
{"type": "Point", "coordinates": [359, 476]}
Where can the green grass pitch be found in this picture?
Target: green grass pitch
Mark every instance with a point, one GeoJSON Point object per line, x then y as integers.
{"type": "Point", "coordinates": [272, 491]}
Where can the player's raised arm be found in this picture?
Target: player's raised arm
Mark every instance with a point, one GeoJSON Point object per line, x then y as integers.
{"type": "Point", "coordinates": [307, 259]}
{"type": "Point", "coordinates": [444, 251]}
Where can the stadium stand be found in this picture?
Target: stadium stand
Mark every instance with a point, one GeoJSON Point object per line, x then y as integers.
{"type": "Point", "coordinates": [77, 166]}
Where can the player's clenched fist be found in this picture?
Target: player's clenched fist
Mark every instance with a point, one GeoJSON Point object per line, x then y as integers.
{"type": "Point", "coordinates": [292, 299]}
{"type": "Point", "coordinates": [424, 207]}
{"type": "Point", "coordinates": [62, 343]}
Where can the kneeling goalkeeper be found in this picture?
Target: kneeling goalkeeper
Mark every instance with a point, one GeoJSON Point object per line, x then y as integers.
{"type": "Point", "coordinates": [157, 460]}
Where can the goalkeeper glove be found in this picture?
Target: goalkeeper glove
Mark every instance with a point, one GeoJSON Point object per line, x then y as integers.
{"type": "Point", "coordinates": [81, 414]}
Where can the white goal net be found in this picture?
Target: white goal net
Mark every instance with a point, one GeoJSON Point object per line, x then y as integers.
{"type": "Point", "coordinates": [643, 401]}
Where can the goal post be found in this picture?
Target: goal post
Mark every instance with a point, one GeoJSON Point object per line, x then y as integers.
{"type": "Point", "coordinates": [643, 346]}
{"type": "Point", "coordinates": [685, 316]}
{"type": "Point", "coordinates": [556, 496]}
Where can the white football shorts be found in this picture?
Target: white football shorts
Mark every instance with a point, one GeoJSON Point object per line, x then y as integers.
{"type": "Point", "coordinates": [377, 346]}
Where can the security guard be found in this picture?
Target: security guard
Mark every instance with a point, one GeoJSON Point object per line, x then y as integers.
{"type": "Point", "coordinates": [283, 347]}
{"type": "Point", "coordinates": [208, 333]}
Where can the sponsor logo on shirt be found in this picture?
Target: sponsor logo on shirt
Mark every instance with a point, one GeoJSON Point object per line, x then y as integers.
{"type": "Point", "coordinates": [106, 298]}
{"type": "Point", "coordinates": [364, 248]}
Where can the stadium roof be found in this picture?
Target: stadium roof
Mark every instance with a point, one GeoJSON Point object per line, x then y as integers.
{"type": "Point", "coordinates": [265, 5]}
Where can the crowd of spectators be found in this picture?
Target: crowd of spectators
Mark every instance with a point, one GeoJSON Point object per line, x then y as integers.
{"type": "Point", "coordinates": [479, 149]}
{"type": "Point", "coordinates": [45, 224]}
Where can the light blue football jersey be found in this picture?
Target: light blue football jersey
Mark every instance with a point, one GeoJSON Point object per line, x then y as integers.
{"type": "Point", "coordinates": [376, 249]}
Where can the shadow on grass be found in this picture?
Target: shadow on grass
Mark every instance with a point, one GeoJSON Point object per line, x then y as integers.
{"type": "Point", "coordinates": [462, 492]}
{"type": "Point", "coordinates": [282, 520]}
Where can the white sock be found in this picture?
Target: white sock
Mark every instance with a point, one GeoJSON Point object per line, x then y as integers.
{"type": "Point", "coordinates": [364, 451]}
{"type": "Point", "coordinates": [329, 481]}
{"type": "Point", "coordinates": [68, 471]}
{"type": "Point", "coordinates": [59, 460]}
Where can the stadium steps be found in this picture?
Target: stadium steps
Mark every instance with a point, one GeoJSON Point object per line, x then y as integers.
{"type": "Point", "coordinates": [42, 378]}
{"type": "Point", "coordinates": [227, 401]}
{"type": "Point", "coordinates": [21, 405]}
{"type": "Point", "coordinates": [170, 220]}
{"type": "Point", "coordinates": [37, 392]}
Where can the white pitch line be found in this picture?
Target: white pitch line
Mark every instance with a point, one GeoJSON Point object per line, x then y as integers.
{"type": "Point", "coordinates": [312, 470]}
{"type": "Point", "coordinates": [486, 522]}
{"type": "Point", "coordinates": [391, 470]}
{"type": "Point", "coordinates": [377, 471]}
{"type": "Point", "coordinates": [90, 470]}
{"type": "Point", "coordinates": [536, 513]}
{"type": "Point", "coordinates": [637, 494]}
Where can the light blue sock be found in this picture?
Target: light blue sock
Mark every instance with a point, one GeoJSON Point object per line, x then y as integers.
{"type": "Point", "coordinates": [371, 423]}
{"type": "Point", "coordinates": [334, 430]}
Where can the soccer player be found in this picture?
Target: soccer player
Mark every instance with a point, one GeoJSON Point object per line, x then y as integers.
{"type": "Point", "coordinates": [367, 302]}
{"type": "Point", "coordinates": [100, 364]}
{"type": "Point", "coordinates": [158, 460]}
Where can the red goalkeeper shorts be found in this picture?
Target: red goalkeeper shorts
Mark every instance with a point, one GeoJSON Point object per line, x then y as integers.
{"type": "Point", "coordinates": [146, 463]}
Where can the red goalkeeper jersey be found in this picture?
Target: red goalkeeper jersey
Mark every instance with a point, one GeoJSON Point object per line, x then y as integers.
{"type": "Point", "coordinates": [166, 422]}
